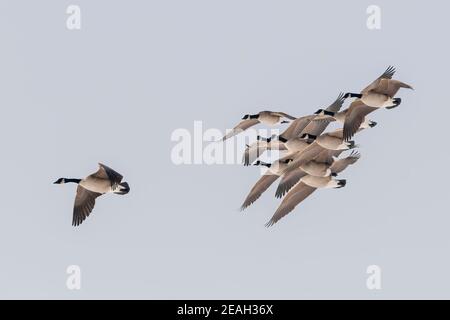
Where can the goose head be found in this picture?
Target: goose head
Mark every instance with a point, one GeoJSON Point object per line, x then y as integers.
{"type": "Point", "coordinates": [308, 136]}
{"type": "Point", "coordinates": [323, 112]}
{"type": "Point", "coordinates": [60, 181]}
{"type": "Point", "coordinates": [286, 161]}
{"type": "Point", "coordinates": [337, 184]}
{"type": "Point", "coordinates": [260, 163]}
{"type": "Point", "coordinates": [245, 117]}
{"type": "Point", "coordinates": [341, 183]}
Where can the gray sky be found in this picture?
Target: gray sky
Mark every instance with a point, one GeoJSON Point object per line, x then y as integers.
{"type": "Point", "coordinates": [115, 91]}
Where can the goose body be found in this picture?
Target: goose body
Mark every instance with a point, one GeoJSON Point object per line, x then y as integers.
{"type": "Point", "coordinates": [104, 181]}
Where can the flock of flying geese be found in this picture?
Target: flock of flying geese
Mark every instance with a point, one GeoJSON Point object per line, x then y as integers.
{"type": "Point", "coordinates": [312, 161]}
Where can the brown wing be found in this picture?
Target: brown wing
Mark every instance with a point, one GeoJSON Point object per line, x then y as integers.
{"type": "Point", "coordinates": [388, 74]}
{"type": "Point", "coordinates": [289, 180]}
{"type": "Point", "coordinates": [337, 104]}
{"type": "Point", "coordinates": [297, 194]}
{"type": "Point", "coordinates": [338, 133]}
{"type": "Point", "coordinates": [296, 127]}
{"type": "Point", "coordinates": [242, 126]}
{"type": "Point", "coordinates": [317, 127]}
{"type": "Point", "coordinates": [262, 185]}
{"type": "Point", "coordinates": [390, 87]}
{"type": "Point", "coordinates": [284, 115]}
{"type": "Point", "coordinates": [327, 156]}
{"type": "Point", "coordinates": [309, 153]}
{"type": "Point", "coordinates": [84, 203]}
{"type": "Point", "coordinates": [355, 117]}
{"type": "Point", "coordinates": [342, 164]}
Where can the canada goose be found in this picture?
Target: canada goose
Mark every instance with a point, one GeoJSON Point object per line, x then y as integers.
{"type": "Point", "coordinates": [105, 180]}
{"type": "Point", "coordinates": [307, 185]}
{"type": "Point", "coordinates": [269, 118]}
{"type": "Point", "coordinates": [327, 159]}
{"type": "Point", "coordinates": [379, 94]}
{"type": "Point", "coordinates": [270, 176]}
{"type": "Point", "coordinates": [340, 118]}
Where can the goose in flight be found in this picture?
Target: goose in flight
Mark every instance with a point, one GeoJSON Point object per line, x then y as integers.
{"type": "Point", "coordinates": [105, 180]}
{"type": "Point", "coordinates": [379, 94]}
{"type": "Point", "coordinates": [340, 118]}
{"type": "Point", "coordinates": [269, 118]}
{"type": "Point", "coordinates": [307, 185]}
{"type": "Point", "coordinates": [327, 159]}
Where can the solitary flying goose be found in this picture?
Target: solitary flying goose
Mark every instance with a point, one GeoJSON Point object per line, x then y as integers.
{"type": "Point", "coordinates": [379, 94]}
{"type": "Point", "coordinates": [308, 184]}
{"type": "Point", "coordinates": [105, 180]}
{"type": "Point", "coordinates": [269, 118]}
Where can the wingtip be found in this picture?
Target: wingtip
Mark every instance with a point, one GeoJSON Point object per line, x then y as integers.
{"type": "Point", "coordinates": [269, 224]}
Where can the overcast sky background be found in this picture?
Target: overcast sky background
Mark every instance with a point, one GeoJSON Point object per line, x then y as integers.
{"type": "Point", "coordinates": [114, 92]}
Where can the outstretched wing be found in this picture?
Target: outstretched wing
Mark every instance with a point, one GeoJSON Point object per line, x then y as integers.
{"type": "Point", "coordinates": [262, 185]}
{"type": "Point", "coordinates": [242, 126]}
{"type": "Point", "coordinates": [289, 180]}
{"type": "Point", "coordinates": [354, 117]}
{"type": "Point", "coordinates": [342, 164]}
{"type": "Point", "coordinates": [297, 194]}
{"type": "Point", "coordinates": [390, 87]}
{"type": "Point", "coordinates": [337, 104]}
{"type": "Point", "coordinates": [284, 115]}
{"type": "Point", "coordinates": [296, 127]}
{"type": "Point", "coordinates": [388, 74]}
{"type": "Point", "coordinates": [327, 156]}
{"type": "Point", "coordinates": [84, 204]}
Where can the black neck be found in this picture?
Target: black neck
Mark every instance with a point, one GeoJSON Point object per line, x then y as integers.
{"type": "Point", "coordinates": [77, 181]}
{"type": "Point", "coordinates": [282, 139]}
{"type": "Point", "coordinates": [254, 116]}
